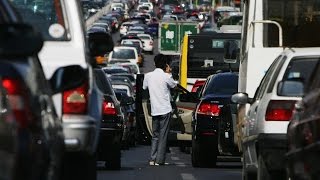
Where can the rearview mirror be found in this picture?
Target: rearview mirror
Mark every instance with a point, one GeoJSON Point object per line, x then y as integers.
{"type": "Point", "coordinates": [290, 87]}
{"type": "Point", "coordinates": [231, 50]}
{"type": "Point", "coordinates": [19, 40]}
{"type": "Point", "coordinates": [68, 77]}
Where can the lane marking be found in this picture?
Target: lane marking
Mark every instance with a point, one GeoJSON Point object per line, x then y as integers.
{"type": "Point", "coordinates": [186, 176]}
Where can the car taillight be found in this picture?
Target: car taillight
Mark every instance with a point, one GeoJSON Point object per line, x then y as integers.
{"type": "Point", "coordinates": [279, 110]}
{"type": "Point", "coordinates": [17, 99]}
{"type": "Point", "coordinates": [75, 101]}
{"type": "Point", "coordinates": [108, 108]}
{"type": "Point", "coordinates": [209, 109]}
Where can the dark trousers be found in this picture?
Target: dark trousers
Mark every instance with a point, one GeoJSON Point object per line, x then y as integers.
{"type": "Point", "coordinates": [160, 128]}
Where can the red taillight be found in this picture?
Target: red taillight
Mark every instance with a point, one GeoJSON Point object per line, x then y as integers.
{"type": "Point", "coordinates": [108, 108]}
{"type": "Point", "coordinates": [17, 100]}
{"type": "Point", "coordinates": [75, 101]}
{"type": "Point", "coordinates": [279, 110]}
{"type": "Point", "coordinates": [209, 109]}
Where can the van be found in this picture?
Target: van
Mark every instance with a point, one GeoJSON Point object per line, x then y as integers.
{"type": "Point", "coordinates": [80, 109]}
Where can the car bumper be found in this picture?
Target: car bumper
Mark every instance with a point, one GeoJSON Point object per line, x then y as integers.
{"type": "Point", "coordinates": [205, 126]}
{"type": "Point", "coordinates": [80, 133]}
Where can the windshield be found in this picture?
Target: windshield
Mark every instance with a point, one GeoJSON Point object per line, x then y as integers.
{"type": "Point", "coordinates": [123, 54]}
{"type": "Point", "coordinates": [46, 16]}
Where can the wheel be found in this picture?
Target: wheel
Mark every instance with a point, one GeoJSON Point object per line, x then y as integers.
{"type": "Point", "coordinates": [114, 162]}
{"type": "Point", "coordinates": [80, 166]}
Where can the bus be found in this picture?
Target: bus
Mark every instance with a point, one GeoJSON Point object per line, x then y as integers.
{"type": "Point", "coordinates": [203, 54]}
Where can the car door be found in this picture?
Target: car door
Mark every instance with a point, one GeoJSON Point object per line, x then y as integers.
{"type": "Point", "coordinates": [180, 125]}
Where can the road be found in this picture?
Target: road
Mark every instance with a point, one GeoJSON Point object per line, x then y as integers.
{"type": "Point", "coordinates": [135, 160]}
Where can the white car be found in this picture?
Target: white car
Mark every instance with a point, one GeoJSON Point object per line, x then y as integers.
{"type": "Point", "coordinates": [132, 41]}
{"type": "Point", "coordinates": [123, 54]}
{"type": "Point", "coordinates": [124, 28]}
{"type": "Point", "coordinates": [148, 4]}
{"type": "Point", "coordinates": [265, 125]}
{"type": "Point", "coordinates": [147, 42]}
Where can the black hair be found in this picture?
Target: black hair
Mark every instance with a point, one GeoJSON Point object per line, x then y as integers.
{"type": "Point", "coordinates": [161, 61]}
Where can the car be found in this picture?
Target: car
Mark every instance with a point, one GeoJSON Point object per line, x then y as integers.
{"type": "Point", "coordinates": [124, 54]}
{"type": "Point", "coordinates": [124, 28]}
{"type": "Point", "coordinates": [153, 29]}
{"type": "Point", "coordinates": [132, 41]}
{"type": "Point", "coordinates": [80, 110]}
{"type": "Point", "coordinates": [112, 125]}
{"type": "Point", "coordinates": [109, 70]}
{"type": "Point", "coordinates": [265, 127]}
{"type": "Point", "coordinates": [303, 130]}
{"type": "Point", "coordinates": [147, 42]}
{"type": "Point", "coordinates": [208, 116]}
{"type": "Point", "coordinates": [32, 139]}
{"type": "Point", "coordinates": [131, 78]}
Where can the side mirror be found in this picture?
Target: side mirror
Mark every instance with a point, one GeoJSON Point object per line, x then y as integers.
{"type": "Point", "coordinates": [100, 43]}
{"type": "Point", "coordinates": [231, 50]}
{"type": "Point", "coordinates": [240, 98]}
{"type": "Point", "coordinates": [290, 87]}
{"type": "Point", "coordinates": [18, 40]}
{"type": "Point", "coordinates": [68, 77]}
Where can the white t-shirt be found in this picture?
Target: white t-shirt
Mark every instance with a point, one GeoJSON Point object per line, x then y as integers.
{"type": "Point", "coordinates": [159, 83]}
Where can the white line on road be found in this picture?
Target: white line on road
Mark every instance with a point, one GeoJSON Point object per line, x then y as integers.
{"type": "Point", "coordinates": [186, 176]}
{"type": "Point", "coordinates": [174, 158]}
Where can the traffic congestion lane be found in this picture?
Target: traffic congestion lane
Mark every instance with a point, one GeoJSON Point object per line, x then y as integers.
{"type": "Point", "coordinates": [135, 167]}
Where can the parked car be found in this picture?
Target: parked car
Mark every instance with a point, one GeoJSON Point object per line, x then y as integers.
{"type": "Point", "coordinates": [208, 116]}
{"type": "Point", "coordinates": [32, 140]}
{"type": "Point", "coordinates": [265, 127]}
{"type": "Point", "coordinates": [303, 130]}
{"type": "Point", "coordinates": [61, 26]}
{"type": "Point", "coordinates": [112, 124]}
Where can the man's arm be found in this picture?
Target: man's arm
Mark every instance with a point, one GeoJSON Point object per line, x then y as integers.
{"type": "Point", "coordinates": [145, 82]}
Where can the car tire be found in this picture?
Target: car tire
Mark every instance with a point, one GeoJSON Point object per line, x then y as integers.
{"type": "Point", "coordinates": [114, 163]}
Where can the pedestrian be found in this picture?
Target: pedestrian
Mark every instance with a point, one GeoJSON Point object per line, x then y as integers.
{"type": "Point", "coordinates": [159, 83]}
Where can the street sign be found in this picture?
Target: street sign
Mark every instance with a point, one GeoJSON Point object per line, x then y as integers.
{"type": "Point", "coordinates": [171, 35]}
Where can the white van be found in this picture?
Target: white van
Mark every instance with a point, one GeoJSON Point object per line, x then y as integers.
{"type": "Point", "coordinates": [61, 24]}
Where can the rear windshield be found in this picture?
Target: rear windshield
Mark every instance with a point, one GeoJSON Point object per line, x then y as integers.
{"type": "Point", "coordinates": [221, 84]}
{"type": "Point", "coordinates": [123, 54]}
{"type": "Point", "coordinates": [300, 68]}
{"type": "Point", "coordinates": [144, 37]}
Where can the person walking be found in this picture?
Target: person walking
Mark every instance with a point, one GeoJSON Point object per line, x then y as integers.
{"type": "Point", "coordinates": [158, 83]}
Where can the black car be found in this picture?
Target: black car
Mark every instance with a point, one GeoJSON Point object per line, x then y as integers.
{"type": "Point", "coordinates": [112, 125]}
{"type": "Point", "coordinates": [32, 140]}
{"type": "Point", "coordinates": [303, 133]}
{"type": "Point", "coordinates": [210, 125]}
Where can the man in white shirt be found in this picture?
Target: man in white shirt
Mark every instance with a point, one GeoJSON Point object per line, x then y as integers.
{"type": "Point", "coordinates": [159, 83]}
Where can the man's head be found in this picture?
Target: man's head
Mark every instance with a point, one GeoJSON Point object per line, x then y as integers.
{"type": "Point", "coordinates": [162, 61]}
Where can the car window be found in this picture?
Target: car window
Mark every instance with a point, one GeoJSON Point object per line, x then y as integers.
{"type": "Point", "coordinates": [275, 76]}
{"type": "Point", "coordinates": [103, 83]}
{"type": "Point", "coordinates": [144, 37]}
{"type": "Point", "coordinates": [218, 85]}
{"type": "Point", "coordinates": [46, 16]}
{"type": "Point", "coordinates": [300, 68]}
{"type": "Point", "coordinates": [123, 54]}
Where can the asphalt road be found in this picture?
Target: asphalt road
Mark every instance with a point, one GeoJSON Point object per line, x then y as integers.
{"type": "Point", "coordinates": [135, 160]}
